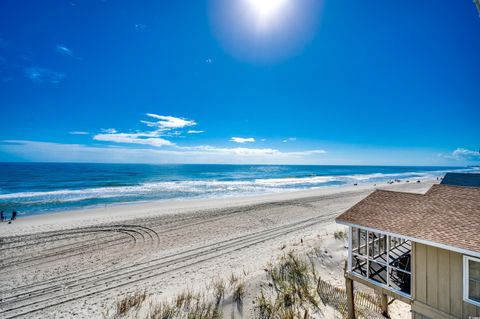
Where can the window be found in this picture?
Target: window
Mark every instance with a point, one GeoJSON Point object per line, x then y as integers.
{"type": "Point", "coordinates": [385, 260]}
{"type": "Point", "coordinates": [471, 280]}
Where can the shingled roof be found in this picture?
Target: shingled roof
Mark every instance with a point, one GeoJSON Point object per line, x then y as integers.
{"type": "Point", "coordinates": [446, 215]}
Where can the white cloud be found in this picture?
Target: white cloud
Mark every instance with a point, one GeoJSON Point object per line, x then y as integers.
{"type": "Point", "coordinates": [63, 50]}
{"type": "Point", "coordinates": [464, 154]}
{"type": "Point", "coordinates": [243, 151]}
{"type": "Point", "coordinates": [301, 154]}
{"type": "Point", "coordinates": [166, 126]}
{"type": "Point", "coordinates": [109, 130]}
{"type": "Point", "coordinates": [290, 139]}
{"type": "Point", "coordinates": [134, 138]}
{"type": "Point", "coordinates": [149, 123]}
{"type": "Point", "coordinates": [242, 140]}
{"type": "Point", "coordinates": [169, 122]}
{"type": "Point", "coordinates": [78, 133]}
{"type": "Point", "coordinates": [56, 152]}
{"type": "Point", "coordinates": [40, 75]}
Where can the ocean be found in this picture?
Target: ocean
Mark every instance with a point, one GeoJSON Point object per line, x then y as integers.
{"type": "Point", "coordinates": [36, 188]}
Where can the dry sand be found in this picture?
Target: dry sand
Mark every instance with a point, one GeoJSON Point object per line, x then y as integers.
{"type": "Point", "coordinates": [77, 264]}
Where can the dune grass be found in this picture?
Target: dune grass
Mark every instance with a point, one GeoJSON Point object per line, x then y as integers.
{"type": "Point", "coordinates": [124, 305]}
{"type": "Point", "coordinates": [218, 286]}
{"type": "Point", "coordinates": [296, 291]}
{"type": "Point", "coordinates": [340, 234]}
{"type": "Point", "coordinates": [186, 306]}
{"type": "Point", "coordinates": [293, 290]}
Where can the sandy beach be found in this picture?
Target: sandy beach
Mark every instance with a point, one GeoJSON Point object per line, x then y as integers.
{"type": "Point", "coordinates": [238, 159]}
{"type": "Point", "coordinates": [77, 264]}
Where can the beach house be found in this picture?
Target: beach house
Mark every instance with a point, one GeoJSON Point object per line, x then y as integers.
{"type": "Point", "coordinates": [422, 249]}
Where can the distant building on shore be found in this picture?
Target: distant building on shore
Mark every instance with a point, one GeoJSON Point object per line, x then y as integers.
{"type": "Point", "coordinates": [461, 179]}
{"type": "Point", "coordinates": [423, 249]}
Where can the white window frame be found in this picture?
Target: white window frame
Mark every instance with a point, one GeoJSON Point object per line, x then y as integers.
{"type": "Point", "coordinates": [367, 258]}
{"type": "Point", "coordinates": [466, 259]}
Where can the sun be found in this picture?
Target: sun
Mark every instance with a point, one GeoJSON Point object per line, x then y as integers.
{"type": "Point", "coordinates": [267, 10]}
{"type": "Point", "coordinates": [264, 31]}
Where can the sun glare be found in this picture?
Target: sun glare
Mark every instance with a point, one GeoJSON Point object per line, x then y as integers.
{"type": "Point", "coordinates": [267, 9]}
{"type": "Point", "coordinates": [264, 31]}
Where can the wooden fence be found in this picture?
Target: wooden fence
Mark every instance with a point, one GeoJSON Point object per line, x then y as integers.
{"type": "Point", "coordinates": [366, 305]}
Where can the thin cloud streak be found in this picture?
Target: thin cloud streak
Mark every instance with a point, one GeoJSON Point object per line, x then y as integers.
{"type": "Point", "coordinates": [41, 75]}
{"type": "Point", "coordinates": [242, 140]}
{"type": "Point", "coordinates": [134, 138]}
{"type": "Point", "coordinates": [63, 50]}
{"type": "Point", "coordinates": [78, 133]}
{"type": "Point", "coordinates": [109, 130]}
{"type": "Point", "coordinates": [51, 152]}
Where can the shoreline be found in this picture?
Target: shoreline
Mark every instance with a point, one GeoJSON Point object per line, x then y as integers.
{"type": "Point", "coordinates": [63, 197]}
{"type": "Point", "coordinates": [153, 208]}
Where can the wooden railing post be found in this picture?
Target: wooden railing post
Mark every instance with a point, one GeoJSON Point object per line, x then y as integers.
{"type": "Point", "coordinates": [384, 305]}
{"type": "Point", "coordinates": [350, 298]}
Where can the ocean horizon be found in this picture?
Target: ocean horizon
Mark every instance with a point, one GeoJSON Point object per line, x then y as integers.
{"type": "Point", "coordinates": [39, 188]}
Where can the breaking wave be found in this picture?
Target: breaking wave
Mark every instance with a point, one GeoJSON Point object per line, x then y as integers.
{"type": "Point", "coordinates": [207, 188]}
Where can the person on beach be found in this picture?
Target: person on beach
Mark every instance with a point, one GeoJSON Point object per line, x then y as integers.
{"type": "Point", "coordinates": [2, 216]}
{"type": "Point", "coordinates": [14, 215]}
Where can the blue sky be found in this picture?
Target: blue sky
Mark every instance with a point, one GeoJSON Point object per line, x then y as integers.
{"type": "Point", "coordinates": [240, 81]}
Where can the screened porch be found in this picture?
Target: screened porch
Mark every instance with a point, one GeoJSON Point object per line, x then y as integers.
{"type": "Point", "coordinates": [381, 259]}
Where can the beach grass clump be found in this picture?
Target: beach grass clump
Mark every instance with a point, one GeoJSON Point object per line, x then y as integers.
{"type": "Point", "coordinates": [129, 302]}
{"type": "Point", "coordinates": [268, 308]}
{"type": "Point", "coordinates": [218, 286]}
{"type": "Point", "coordinates": [186, 305]}
{"type": "Point", "coordinates": [207, 304]}
{"type": "Point", "coordinates": [162, 311]}
{"type": "Point", "coordinates": [232, 279]}
{"type": "Point", "coordinates": [238, 291]}
{"type": "Point", "coordinates": [184, 299]}
{"type": "Point", "coordinates": [293, 293]}
{"type": "Point", "coordinates": [340, 234]}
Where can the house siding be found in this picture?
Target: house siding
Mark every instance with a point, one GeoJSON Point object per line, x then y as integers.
{"type": "Point", "coordinates": [438, 285]}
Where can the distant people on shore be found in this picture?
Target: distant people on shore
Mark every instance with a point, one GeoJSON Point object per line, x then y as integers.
{"type": "Point", "coordinates": [3, 216]}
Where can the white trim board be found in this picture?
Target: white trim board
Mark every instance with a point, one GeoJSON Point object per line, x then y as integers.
{"type": "Point", "coordinates": [465, 280]}
{"type": "Point", "coordinates": [417, 240]}
{"type": "Point", "coordinates": [378, 284]}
